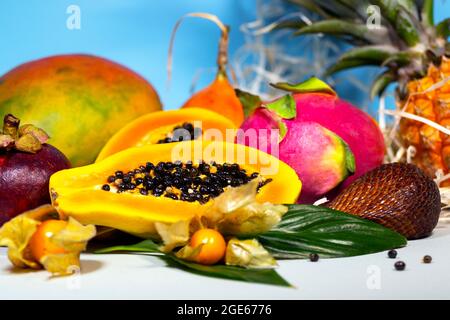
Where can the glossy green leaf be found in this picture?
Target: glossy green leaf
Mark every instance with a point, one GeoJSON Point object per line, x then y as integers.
{"type": "Point", "coordinates": [265, 276]}
{"type": "Point", "coordinates": [311, 85]}
{"type": "Point", "coordinates": [144, 246]}
{"type": "Point", "coordinates": [250, 102]}
{"type": "Point", "coordinates": [284, 107]}
{"type": "Point", "coordinates": [309, 229]}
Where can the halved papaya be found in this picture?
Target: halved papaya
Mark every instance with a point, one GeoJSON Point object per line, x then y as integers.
{"type": "Point", "coordinates": [159, 127]}
{"type": "Point", "coordinates": [101, 193]}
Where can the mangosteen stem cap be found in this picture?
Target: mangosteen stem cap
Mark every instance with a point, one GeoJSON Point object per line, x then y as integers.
{"type": "Point", "coordinates": [11, 126]}
{"type": "Point", "coordinates": [27, 138]}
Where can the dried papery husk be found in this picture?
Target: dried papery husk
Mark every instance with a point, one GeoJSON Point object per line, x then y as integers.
{"type": "Point", "coordinates": [173, 235]}
{"type": "Point", "coordinates": [189, 253]}
{"type": "Point", "coordinates": [16, 235]}
{"type": "Point", "coordinates": [73, 238]}
{"type": "Point", "coordinates": [237, 213]}
{"type": "Point", "coordinates": [234, 213]}
{"type": "Point", "coordinates": [248, 254]}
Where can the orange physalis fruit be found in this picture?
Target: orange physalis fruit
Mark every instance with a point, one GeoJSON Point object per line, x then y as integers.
{"type": "Point", "coordinates": [40, 244]}
{"type": "Point", "coordinates": [212, 244]}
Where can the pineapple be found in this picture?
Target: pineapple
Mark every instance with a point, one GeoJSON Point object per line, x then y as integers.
{"type": "Point", "coordinates": [412, 50]}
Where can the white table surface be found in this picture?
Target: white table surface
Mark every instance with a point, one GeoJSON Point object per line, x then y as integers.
{"type": "Point", "coordinates": [120, 276]}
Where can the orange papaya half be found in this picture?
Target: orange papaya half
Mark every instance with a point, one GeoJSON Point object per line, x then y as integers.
{"type": "Point", "coordinates": [154, 127]}
{"type": "Point", "coordinates": [80, 192]}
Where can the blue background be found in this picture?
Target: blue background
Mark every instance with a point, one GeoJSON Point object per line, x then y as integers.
{"type": "Point", "coordinates": [135, 33]}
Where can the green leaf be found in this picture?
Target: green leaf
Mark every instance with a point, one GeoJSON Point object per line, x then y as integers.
{"type": "Point", "coordinates": [346, 28]}
{"type": "Point", "coordinates": [337, 9]}
{"type": "Point", "coordinates": [250, 102]}
{"type": "Point", "coordinates": [283, 130]}
{"type": "Point", "coordinates": [284, 107]}
{"type": "Point", "coordinates": [311, 6]}
{"type": "Point", "coordinates": [380, 83]}
{"type": "Point", "coordinates": [144, 246]}
{"type": "Point", "coordinates": [311, 85]}
{"type": "Point", "coordinates": [407, 27]}
{"type": "Point", "coordinates": [309, 229]}
{"type": "Point", "coordinates": [376, 54]}
{"type": "Point", "coordinates": [400, 59]}
{"type": "Point", "coordinates": [350, 163]}
{"type": "Point", "coordinates": [265, 276]}
{"type": "Point", "coordinates": [427, 13]}
{"type": "Point", "coordinates": [341, 65]}
{"type": "Point", "coordinates": [289, 24]}
{"type": "Point", "coordinates": [443, 28]}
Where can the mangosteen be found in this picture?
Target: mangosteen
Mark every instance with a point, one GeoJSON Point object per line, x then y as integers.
{"type": "Point", "coordinates": [26, 164]}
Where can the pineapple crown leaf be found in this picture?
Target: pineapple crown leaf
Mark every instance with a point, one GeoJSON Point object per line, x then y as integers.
{"type": "Point", "coordinates": [381, 82]}
{"type": "Point", "coordinates": [443, 28]}
{"type": "Point", "coordinates": [345, 28]}
{"type": "Point", "coordinates": [405, 43]}
{"type": "Point", "coordinates": [426, 12]}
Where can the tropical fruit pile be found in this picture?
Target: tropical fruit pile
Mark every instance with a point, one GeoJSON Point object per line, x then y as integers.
{"type": "Point", "coordinates": [204, 180]}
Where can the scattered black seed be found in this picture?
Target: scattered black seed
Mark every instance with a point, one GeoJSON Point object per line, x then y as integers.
{"type": "Point", "coordinates": [427, 259]}
{"type": "Point", "coordinates": [185, 132]}
{"type": "Point", "coordinates": [171, 195]}
{"type": "Point", "coordinates": [313, 257]}
{"type": "Point", "coordinates": [187, 182]}
{"type": "Point", "coordinates": [392, 254]}
{"type": "Point", "coordinates": [400, 265]}
{"type": "Point", "coordinates": [106, 187]}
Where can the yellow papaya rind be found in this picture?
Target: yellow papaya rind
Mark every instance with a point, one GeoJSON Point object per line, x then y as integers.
{"type": "Point", "coordinates": [77, 192]}
{"type": "Point", "coordinates": [137, 133]}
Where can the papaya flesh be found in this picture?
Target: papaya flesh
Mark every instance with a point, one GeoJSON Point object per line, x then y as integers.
{"type": "Point", "coordinates": [79, 192]}
{"type": "Point", "coordinates": [156, 126]}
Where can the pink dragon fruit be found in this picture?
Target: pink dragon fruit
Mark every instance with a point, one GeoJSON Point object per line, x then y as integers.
{"type": "Point", "coordinates": [328, 141]}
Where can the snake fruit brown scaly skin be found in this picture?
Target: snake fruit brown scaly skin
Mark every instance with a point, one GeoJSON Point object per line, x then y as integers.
{"type": "Point", "coordinates": [398, 196]}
